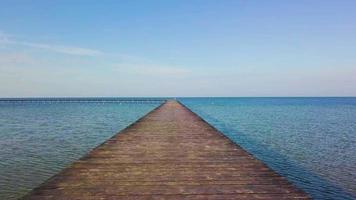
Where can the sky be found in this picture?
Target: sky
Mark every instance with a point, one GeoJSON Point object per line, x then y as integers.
{"type": "Point", "coordinates": [177, 48]}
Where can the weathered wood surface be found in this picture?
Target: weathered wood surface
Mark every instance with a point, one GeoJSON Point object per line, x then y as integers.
{"type": "Point", "coordinates": [171, 153]}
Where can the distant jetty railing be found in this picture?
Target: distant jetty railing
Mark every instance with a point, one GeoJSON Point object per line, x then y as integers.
{"type": "Point", "coordinates": [84, 100]}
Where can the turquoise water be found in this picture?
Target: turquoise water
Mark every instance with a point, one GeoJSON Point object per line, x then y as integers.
{"type": "Point", "coordinates": [312, 141]}
{"type": "Point", "coordinates": [38, 138]}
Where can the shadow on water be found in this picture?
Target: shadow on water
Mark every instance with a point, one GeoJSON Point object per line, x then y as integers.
{"type": "Point", "coordinates": [316, 186]}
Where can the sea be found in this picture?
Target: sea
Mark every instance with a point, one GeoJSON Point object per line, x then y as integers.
{"type": "Point", "coordinates": [309, 140]}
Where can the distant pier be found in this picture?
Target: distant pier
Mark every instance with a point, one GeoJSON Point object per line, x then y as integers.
{"type": "Point", "coordinates": [171, 153]}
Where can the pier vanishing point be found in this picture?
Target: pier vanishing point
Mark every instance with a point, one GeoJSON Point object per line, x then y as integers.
{"type": "Point", "coordinates": [171, 153]}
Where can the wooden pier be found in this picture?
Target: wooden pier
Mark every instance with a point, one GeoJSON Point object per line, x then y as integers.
{"type": "Point", "coordinates": [171, 153]}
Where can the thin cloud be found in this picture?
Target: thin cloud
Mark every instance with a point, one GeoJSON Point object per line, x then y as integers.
{"type": "Point", "coordinates": [7, 59]}
{"type": "Point", "coordinates": [70, 50]}
{"type": "Point", "coordinates": [4, 38]}
{"type": "Point", "coordinates": [151, 70]}
{"type": "Point", "coordinates": [162, 71]}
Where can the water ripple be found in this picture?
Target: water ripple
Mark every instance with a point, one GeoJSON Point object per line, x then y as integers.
{"type": "Point", "coordinates": [311, 141]}
{"type": "Point", "coordinates": [37, 139]}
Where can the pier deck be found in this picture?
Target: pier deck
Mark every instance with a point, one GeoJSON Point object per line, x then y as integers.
{"type": "Point", "coordinates": [171, 153]}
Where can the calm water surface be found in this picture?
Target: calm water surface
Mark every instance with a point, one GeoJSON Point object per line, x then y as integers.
{"type": "Point", "coordinates": [312, 141]}
{"type": "Point", "coordinates": [39, 138]}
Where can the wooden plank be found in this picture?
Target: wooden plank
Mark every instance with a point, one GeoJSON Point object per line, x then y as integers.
{"type": "Point", "coordinates": [171, 153]}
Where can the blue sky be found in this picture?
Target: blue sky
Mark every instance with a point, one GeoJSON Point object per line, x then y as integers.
{"type": "Point", "coordinates": [177, 48]}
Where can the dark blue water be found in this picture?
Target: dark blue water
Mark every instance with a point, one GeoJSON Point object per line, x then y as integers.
{"type": "Point", "coordinates": [39, 137]}
{"type": "Point", "coordinates": [311, 141]}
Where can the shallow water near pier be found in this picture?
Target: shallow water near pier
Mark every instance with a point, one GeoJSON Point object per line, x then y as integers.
{"type": "Point", "coordinates": [311, 141]}
{"type": "Point", "coordinates": [40, 137]}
